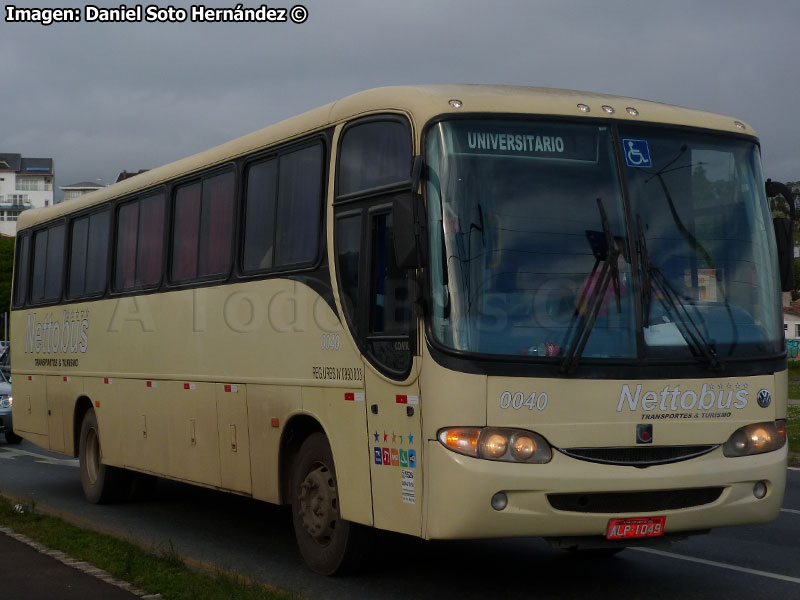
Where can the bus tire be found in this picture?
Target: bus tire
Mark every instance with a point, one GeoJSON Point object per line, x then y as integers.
{"type": "Point", "coordinates": [329, 544]}
{"type": "Point", "coordinates": [101, 483]}
{"type": "Point", "coordinates": [13, 438]}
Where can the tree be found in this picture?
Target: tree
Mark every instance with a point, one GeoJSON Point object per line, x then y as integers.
{"type": "Point", "coordinates": [6, 271]}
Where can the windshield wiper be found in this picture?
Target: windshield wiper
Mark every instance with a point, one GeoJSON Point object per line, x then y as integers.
{"type": "Point", "coordinates": [653, 278]}
{"type": "Point", "coordinates": [588, 308]}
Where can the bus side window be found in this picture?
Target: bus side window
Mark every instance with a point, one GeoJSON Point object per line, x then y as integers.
{"type": "Point", "coordinates": [203, 228]}
{"type": "Point", "coordinates": [259, 219]}
{"type": "Point", "coordinates": [389, 306]}
{"type": "Point", "coordinates": [283, 210]}
{"type": "Point", "coordinates": [21, 272]}
{"type": "Point", "coordinates": [48, 264]}
{"type": "Point", "coordinates": [88, 255]}
{"type": "Point", "coordinates": [348, 254]}
{"type": "Point", "coordinates": [140, 242]}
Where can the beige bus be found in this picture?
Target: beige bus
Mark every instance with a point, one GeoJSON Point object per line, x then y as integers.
{"type": "Point", "coordinates": [445, 311]}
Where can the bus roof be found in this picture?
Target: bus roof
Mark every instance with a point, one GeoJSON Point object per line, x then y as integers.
{"type": "Point", "coordinates": [423, 102]}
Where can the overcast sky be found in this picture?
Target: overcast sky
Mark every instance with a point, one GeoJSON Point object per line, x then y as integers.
{"type": "Point", "coordinates": [100, 98]}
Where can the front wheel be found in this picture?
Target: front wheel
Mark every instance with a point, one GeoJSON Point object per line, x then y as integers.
{"type": "Point", "coordinates": [329, 544]}
{"type": "Point", "coordinates": [101, 483]}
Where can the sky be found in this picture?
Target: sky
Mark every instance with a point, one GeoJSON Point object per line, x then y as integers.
{"type": "Point", "coordinates": [100, 97]}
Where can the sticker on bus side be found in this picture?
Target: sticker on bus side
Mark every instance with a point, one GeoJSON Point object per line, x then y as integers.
{"type": "Point", "coordinates": [407, 486]}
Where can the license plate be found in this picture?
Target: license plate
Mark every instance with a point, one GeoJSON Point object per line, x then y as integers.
{"type": "Point", "coordinates": [641, 527]}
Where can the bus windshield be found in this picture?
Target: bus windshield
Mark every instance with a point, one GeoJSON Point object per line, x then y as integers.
{"type": "Point", "coordinates": [532, 246]}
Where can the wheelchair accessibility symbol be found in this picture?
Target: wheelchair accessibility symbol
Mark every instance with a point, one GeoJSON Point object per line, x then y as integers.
{"type": "Point", "coordinates": [637, 153]}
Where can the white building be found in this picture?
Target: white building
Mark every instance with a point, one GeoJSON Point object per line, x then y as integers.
{"type": "Point", "coordinates": [76, 190]}
{"type": "Point", "coordinates": [24, 183]}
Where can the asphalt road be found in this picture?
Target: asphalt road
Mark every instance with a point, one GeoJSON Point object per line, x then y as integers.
{"type": "Point", "coordinates": [256, 540]}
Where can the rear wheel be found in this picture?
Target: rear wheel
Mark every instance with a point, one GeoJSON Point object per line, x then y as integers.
{"type": "Point", "coordinates": [101, 483]}
{"type": "Point", "coordinates": [12, 438]}
{"type": "Point", "coordinates": [329, 544]}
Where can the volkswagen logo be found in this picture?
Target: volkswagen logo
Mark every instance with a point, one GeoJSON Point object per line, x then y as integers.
{"type": "Point", "coordinates": [764, 398]}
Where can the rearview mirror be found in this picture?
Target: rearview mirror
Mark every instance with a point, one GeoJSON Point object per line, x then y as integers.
{"type": "Point", "coordinates": [408, 216]}
{"type": "Point", "coordinates": [784, 234]}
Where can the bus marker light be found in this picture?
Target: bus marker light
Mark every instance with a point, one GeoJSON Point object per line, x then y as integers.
{"type": "Point", "coordinates": [275, 422]}
{"type": "Point", "coordinates": [739, 125]}
{"type": "Point", "coordinates": [97, 403]}
{"type": "Point", "coordinates": [584, 108]}
{"type": "Point", "coordinates": [30, 377]}
{"type": "Point", "coordinates": [456, 103]}
{"type": "Point", "coordinates": [499, 501]}
{"type": "Point", "coordinates": [609, 110]}
{"type": "Point", "coordinates": [632, 111]}
{"type": "Point", "coordinates": [107, 380]}
{"type": "Point", "coordinates": [66, 379]}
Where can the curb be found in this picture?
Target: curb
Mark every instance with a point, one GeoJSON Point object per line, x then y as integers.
{"type": "Point", "coordinates": [82, 566]}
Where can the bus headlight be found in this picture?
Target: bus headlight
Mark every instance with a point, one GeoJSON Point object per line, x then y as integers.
{"type": "Point", "coordinates": [756, 438]}
{"type": "Point", "coordinates": [496, 443]}
{"type": "Point", "coordinates": [6, 401]}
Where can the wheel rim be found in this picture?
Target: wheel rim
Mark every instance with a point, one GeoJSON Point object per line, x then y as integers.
{"type": "Point", "coordinates": [318, 505]}
{"type": "Point", "coordinates": [92, 456]}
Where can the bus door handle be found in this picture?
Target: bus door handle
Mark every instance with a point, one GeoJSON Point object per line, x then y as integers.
{"type": "Point", "coordinates": [374, 409]}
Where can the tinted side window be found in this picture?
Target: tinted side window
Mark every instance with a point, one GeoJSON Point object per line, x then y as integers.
{"type": "Point", "coordinates": [140, 243]}
{"type": "Point", "coordinates": [299, 206]}
{"type": "Point", "coordinates": [48, 263]}
{"type": "Point", "coordinates": [216, 225]}
{"type": "Point", "coordinates": [390, 310]}
{"type": "Point", "coordinates": [259, 220]}
{"type": "Point", "coordinates": [88, 255]}
{"type": "Point", "coordinates": [55, 262]}
{"type": "Point", "coordinates": [348, 252]}
{"type": "Point", "coordinates": [77, 257]}
{"type": "Point", "coordinates": [21, 272]}
{"type": "Point", "coordinates": [283, 210]}
{"type": "Point", "coordinates": [203, 228]}
{"type": "Point", "coordinates": [150, 245]}
{"type": "Point", "coordinates": [127, 232]}
{"type": "Point", "coordinates": [374, 154]}
{"type": "Point", "coordinates": [186, 232]}
{"type": "Point", "coordinates": [39, 265]}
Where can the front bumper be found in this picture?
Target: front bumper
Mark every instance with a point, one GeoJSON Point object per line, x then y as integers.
{"type": "Point", "coordinates": [460, 488]}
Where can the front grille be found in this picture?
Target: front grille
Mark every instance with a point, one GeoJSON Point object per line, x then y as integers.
{"type": "Point", "coordinates": [634, 502]}
{"type": "Point", "coordinates": [638, 456]}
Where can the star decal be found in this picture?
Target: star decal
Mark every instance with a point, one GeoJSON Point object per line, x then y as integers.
{"type": "Point", "coordinates": [376, 436]}
{"type": "Point", "coordinates": [385, 436]}
{"type": "Point", "coordinates": [410, 439]}
{"type": "Point", "coordinates": [394, 437]}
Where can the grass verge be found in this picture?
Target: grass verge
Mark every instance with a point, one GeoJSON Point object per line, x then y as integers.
{"type": "Point", "coordinates": [793, 428]}
{"type": "Point", "coordinates": [793, 434]}
{"type": "Point", "coordinates": [157, 573]}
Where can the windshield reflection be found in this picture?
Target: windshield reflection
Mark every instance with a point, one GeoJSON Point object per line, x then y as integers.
{"type": "Point", "coordinates": [522, 264]}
